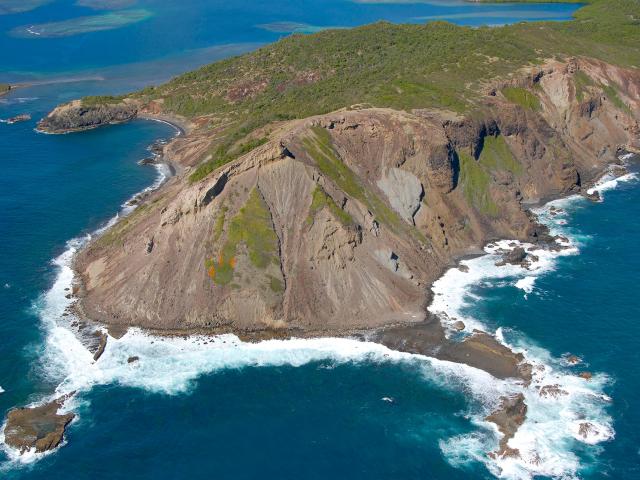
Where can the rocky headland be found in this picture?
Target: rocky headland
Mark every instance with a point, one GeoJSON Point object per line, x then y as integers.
{"type": "Point", "coordinates": [77, 116]}
{"type": "Point", "coordinates": [341, 222]}
{"type": "Point", "coordinates": [338, 224]}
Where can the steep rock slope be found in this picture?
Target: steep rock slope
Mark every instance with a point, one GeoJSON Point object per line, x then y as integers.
{"type": "Point", "coordinates": [341, 222]}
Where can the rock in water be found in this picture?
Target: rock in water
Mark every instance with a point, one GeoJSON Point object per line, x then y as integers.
{"type": "Point", "coordinates": [458, 325]}
{"type": "Point", "coordinates": [514, 257]}
{"type": "Point", "coordinates": [573, 360]}
{"type": "Point", "coordinates": [553, 391]}
{"type": "Point", "coordinates": [102, 344]}
{"type": "Point", "coordinates": [40, 428]}
{"type": "Point", "coordinates": [594, 196]}
{"type": "Point", "coordinates": [23, 117]}
{"type": "Point", "coordinates": [509, 416]}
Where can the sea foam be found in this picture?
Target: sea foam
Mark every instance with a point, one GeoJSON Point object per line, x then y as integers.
{"type": "Point", "coordinates": [546, 439]}
{"type": "Point", "coordinates": [577, 411]}
{"type": "Point", "coordinates": [171, 365]}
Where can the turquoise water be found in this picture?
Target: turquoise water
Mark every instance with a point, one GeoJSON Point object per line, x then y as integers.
{"type": "Point", "coordinates": [176, 31]}
{"type": "Point", "coordinates": [281, 410]}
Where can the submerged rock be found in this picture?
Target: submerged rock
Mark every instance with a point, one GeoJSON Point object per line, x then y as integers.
{"type": "Point", "coordinates": [40, 428]}
{"type": "Point", "coordinates": [23, 117]}
{"type": "Point", "coordinates": [553, 391]}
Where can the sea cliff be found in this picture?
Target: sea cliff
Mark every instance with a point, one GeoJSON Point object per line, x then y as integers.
{"type": "Point", "coordinates": [341, 222]}
{"type": "Point", "coordinates": [306, 205]}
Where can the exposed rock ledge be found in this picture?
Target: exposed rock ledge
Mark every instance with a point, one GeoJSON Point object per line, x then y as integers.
{"type": "Point", "coordinates": [479, 350]}
{"type": "Point", "coordinates": [41, 428]}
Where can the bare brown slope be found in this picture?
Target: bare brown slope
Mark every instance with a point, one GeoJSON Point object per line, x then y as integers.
{"type": "Point", "coordinates": [342, 222]}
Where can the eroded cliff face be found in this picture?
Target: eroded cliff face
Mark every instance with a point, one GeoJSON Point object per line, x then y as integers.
{"type": "Point", "coordinates": [341, 222]}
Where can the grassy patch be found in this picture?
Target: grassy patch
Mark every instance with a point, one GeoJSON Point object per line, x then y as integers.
{"type": "Point", "coordinates": [275, 284]}
{"type": "Point", "coordinates": [581, 82]}
{"type": "Point", "coordinates": [219, 226]}
{"type": "Point", "coordinates": [224, 154]}
{"type": "Point", "coordinates": [319, 147]}
{"type": "Point", "coordinates": [97, 100]}
{"type": "Point", "coordinates": [321, 200]}
{"type": "Point", "coordinates": [252, 226]}
{"type": "Point", "coordinates": [611, 91]}
{"type": "Point", "coordinates": [496, 155]}
{"type": "Point", "coordinates": [523, 97]}
{"type": "Point", "coordinates": [475, 183]}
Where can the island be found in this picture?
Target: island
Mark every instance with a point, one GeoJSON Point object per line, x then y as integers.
{"type": "Point", "coordinates": [325, 182]}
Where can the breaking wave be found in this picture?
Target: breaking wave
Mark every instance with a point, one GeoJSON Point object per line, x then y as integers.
{"type": "Point", "coordinates": [572, 409]}
{"type": "Point", "coordinates": [562, 408]}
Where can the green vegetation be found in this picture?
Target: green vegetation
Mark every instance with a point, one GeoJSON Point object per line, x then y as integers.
{"type": "Point", "coordinates": [224, 154]}
{"type": "Point", "coordinates": [496, 155]}
{"type": "Point", "coordinates": [275, 284]}
{"type": "Point", "coordinates": [252, 226]}
{"type": "Point", "coordinates": [522, 97]}
{"type": "Point", "coordinates": [582, 82]}
{"type": "Point", "coordinates": [96, 100]}
{"type": "Point", "coordinates": [219, 226]}
{"type": "Point", "coordinates": [319, 147]}
{"type": "Point", "coordinates": [4, 88]}
{"type": "Point", "coordinates": [475, 184]}
{"type": "Point", "coordinates": [433, 65]}
{"type": "Point", "coordinates": [320, 200]}
{"type": "Point", "coordinates": [611, 91]}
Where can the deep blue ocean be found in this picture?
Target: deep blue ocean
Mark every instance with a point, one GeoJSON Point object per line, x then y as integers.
{"type": "Point", "coordinates": [314, 409]}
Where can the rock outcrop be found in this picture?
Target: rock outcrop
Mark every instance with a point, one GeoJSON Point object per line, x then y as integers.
{"type": "Point", "coordinates": [39, 428]}
{"type": "Point", "coordinates": [478, 350]}
{"type": "Point", "coordinates": [76, 116]}
{"type": "Point", "coordinates": [509, 416]}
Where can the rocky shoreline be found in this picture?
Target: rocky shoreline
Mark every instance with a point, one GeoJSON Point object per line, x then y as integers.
{"type": "Point", "coordinates": [345, 251]}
